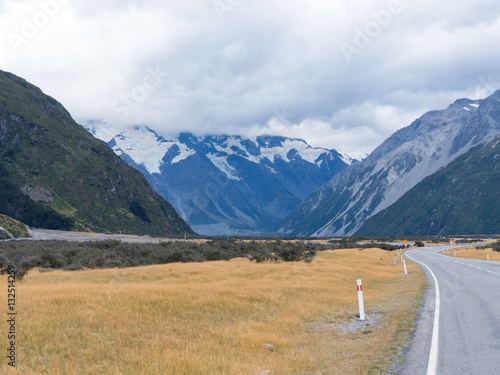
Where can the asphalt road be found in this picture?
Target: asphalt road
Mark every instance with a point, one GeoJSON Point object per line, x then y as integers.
{"type": "Point", "coordinates": [458, 329]}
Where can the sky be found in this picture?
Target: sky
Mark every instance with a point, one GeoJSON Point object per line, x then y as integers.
{"type": "Point", "coordinates": [339, 74]}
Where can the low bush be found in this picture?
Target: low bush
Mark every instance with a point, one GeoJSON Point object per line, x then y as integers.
{"type": "Point", "coordinates": [73, 256]}
{"type": "Point", "coordinates": [282, 252]}
{"type": "Point", "coordinates": [496, 246]}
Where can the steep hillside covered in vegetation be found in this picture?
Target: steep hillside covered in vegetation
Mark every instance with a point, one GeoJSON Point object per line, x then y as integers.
{"type": "Point", "coordinates": [55, 175]}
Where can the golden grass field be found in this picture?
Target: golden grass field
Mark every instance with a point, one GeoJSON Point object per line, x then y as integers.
{"type": "Point", "coordinates": [473, 253]}
{"type": "Point", "coordinates": [212, 318]}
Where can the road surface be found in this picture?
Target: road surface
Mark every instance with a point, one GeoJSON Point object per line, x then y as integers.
{"type": "Point", "coordinates": [458, 330]}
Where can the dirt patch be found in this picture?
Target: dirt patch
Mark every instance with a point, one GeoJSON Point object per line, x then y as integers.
{"type": "Point", "coordinates": [372, 320]}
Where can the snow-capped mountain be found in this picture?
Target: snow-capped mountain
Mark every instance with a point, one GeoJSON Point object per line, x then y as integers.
{"type": "Point", "coordinates": [403, 160]}
{"type": "Point", "coordinates": [228, 184]}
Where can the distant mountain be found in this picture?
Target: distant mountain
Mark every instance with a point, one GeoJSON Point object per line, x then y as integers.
{"type": "Point", "coordinates": [229, 184]}
{"type": "Point", "coordinates": [345, 203]}
{"type": "Point", "coordinates": [55, 175]}
{"type": "Point", "coordinates": [461, 198]}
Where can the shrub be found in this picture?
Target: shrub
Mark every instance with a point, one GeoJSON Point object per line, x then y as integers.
{"type": "Point", "coordinates": [73, 267]}
{"type": "Point", "coordinates": [496, 246]}
{"type": "Point", "coordinates": [112, 263]}
{"type": "Point", "coordinates": [282, 252]}
{"type": "Point", "coordinates": [74, 256]}
{"type": "Point", "coordinates": [53, 260]}
{"type": "Point", "coordinates": [22, 266]}
{"type": "Point", "coordinates": [106, 244]}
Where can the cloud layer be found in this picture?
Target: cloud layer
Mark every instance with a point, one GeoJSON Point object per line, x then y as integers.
{"type": "Point", "coordinates": [338, 74]}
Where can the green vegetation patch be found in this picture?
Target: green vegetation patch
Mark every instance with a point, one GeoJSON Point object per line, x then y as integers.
{"type": "Point", "coordinates": [72, 256]}
{"type": "Point", "coordinates": [13, 227]}
{"type": "Point", "coordinates": [56, 175]}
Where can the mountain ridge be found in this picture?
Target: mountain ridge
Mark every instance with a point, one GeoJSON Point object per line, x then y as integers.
{"type": "Point", "coordinates": [404, 159]}
{"type": "Point", "coordinates": [236, 184]}
{"type": "Point", "coordinates": [461, 198]}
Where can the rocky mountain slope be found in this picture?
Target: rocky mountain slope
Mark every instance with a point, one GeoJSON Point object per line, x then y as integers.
{"type": "Point", "coordinates": [228, 184]}
{"type": "Point", "coordinates": [461, 198]}
{"type": "Point", "coordinates": [361, 191]}
{"type": "Point", "coordinates": [55, 175]}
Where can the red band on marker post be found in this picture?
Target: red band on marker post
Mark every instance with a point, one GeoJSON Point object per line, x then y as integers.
{"type": "Point", "coordinates": [360, 300]}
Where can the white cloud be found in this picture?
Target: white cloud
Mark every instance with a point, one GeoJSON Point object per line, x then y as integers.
{"type": "Point", "coordinates": [356, 130]}
{"type": "Point", "coordinates": [238, 72]}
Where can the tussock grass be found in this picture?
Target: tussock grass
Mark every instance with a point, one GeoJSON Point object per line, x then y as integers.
{"type": "Point", "coordinates": [474, 253]}
{"type": "Point", "coordinates": [212, 318]}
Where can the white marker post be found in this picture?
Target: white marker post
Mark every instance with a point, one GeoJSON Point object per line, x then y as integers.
{"type": "Point", "coordinates": [360, 300]}
{"type": "Point", "coordinates": [404, 264]}
{"type": "Point", "coordinates": [455, 254]}
{"type": "Point", "coordinates": [487, 256]}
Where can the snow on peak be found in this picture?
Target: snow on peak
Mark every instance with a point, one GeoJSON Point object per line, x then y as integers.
{"type": "Point", "coordinates": [101, 130]}
{"type": "Point", "coordinates": [346, 159]}
{"type": "Point", "coordinates": [184, 153]}
{"type": "Point", "coordinates": [221, 163]}
{"type": "Point", "coordinates": [234, 145]}
{"type": "Point", "coordinates": [305, 151]}
{"type": "Point", "coordinates": [475, 105]}
{"type": "Point", "coordinates": [148, 149]}
{"type": "Point", "coordinates": [144, 147]}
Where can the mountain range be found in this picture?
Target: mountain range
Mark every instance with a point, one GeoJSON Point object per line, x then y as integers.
{"type": "Point", "coordinates": [435, 176]}
{"type": "Point", "coordinates": [228, 184]}
{"type": "Point", "coordinates": [55, 175]}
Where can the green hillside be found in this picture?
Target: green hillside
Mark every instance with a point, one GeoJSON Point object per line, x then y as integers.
{"type": "Point", "coordinates": [462, 198]}
{"type": "Point", "coordinates": [55, 175]}
{"type": "Point", "coordinates": [12, 228]}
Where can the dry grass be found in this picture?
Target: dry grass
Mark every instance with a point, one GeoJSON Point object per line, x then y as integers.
{"type": "Point", "coordinates": [212, 318]}
{"type": "Point", "coordinates": [473, 253]}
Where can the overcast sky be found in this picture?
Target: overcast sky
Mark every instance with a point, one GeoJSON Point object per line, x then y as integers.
{"type": "Point", "coordinates": [340, 74]}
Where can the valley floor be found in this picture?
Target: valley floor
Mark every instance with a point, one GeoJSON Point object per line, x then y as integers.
{"type": "Point", "coordinates": [214, 317]}
{"type": "Point", "coordinates": [57, 235]}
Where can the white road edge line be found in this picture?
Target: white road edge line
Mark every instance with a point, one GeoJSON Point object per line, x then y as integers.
{"type": "Point", "coordinates": [433, 355]}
